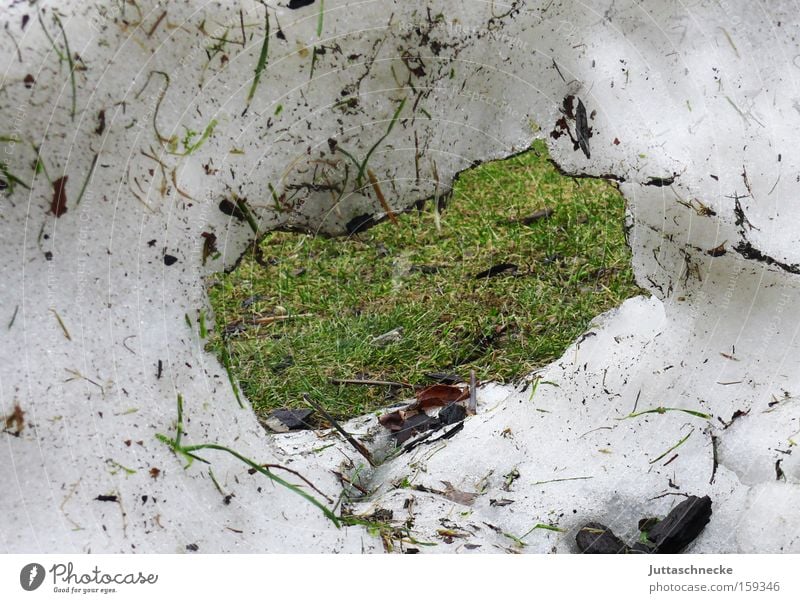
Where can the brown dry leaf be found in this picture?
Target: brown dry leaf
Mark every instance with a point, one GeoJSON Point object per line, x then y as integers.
{"type": "Point", "coordinates": [59, 203]}
{"type": "Point", "coordinates": [395, 420]}
{"type": "Point", "coordinates": [209, 245]}
{"type": "Point", "coordinates": [386, 539]}
{"type": "Point", "coordinates": [391, 420]}
{"type": "Point", "coordinates": [448, 534]}
{"type": "Point", "coordinates": [440, 395]}
{"type": "Point", "coordinates": [458, 496]}
{"type": "Point", "coordinates": [16, 420]}
{"type": "Point", "coordinates": [430, 397]}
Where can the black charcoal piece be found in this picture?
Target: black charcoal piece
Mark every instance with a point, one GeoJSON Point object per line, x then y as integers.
{"type": "Point", "coordinates": [452, 413]}
{"type": "Point", "coordinates": [596, 539]}
{"type": "Point", "coordinates": [582, 130]}
{"type": "Point", "coordinates": [446, 378]}
{"type": "Point", "coordinates": [681, 526]}
{"type": "Point", "coordinates": [286, 419]}
{"type": "Point", "coordinates": [412, 426]}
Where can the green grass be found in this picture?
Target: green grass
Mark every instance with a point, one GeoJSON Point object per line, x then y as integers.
{"type": "Point", "coordinates": [572, 266]}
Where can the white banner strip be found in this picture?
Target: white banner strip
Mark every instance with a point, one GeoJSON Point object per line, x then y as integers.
{"type": "Point", "coordinates": [334, 578]}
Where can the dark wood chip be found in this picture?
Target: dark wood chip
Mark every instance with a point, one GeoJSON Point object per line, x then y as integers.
{"type": "Point", "coordinates": [681, 526]}
{"type": "Point", "coordinates": [597, 539]}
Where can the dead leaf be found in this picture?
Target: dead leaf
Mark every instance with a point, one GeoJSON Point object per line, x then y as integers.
{"type": "Point", "coordinates": [416, 424]}
{"type": "Point", "coordinates": [430, 397]}
{"type": "Point", "coordinates": [59, 203]}
{"type": "Point", "coordinates": [15, 422]}
{"type": "Point", "coordinates": [209, 245]}
{"type": "Point", "coordinates": [448, 534]}
{"type": "Point", "coordinates": [440, 395]}
{"type": "Point", "coordinates": [458, 496]}
{"type": "Point", "coordinates": [393, 421]}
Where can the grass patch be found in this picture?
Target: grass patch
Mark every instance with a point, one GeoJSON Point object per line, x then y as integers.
{"type": "Point", "coordinates": [572, 264]}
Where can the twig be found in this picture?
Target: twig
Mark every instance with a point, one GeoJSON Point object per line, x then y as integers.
{"type": "Point", "coordinates": [714, 458]}
{"type": "Point", "coordinates": [13, 39]}
{"type": "Point", "coordinates": [125, 344]}
{"type": "Point", "coordinates": [356, 444]}
{"type": "Point", "coordinates": [216, 483]}
{"type": "Point", "coordinates": [379, 193]}
{"type": "Point", "coordinates": [473, 397]}
{"type": "Point", "coordinates": [13, 317]}
{"type": "Point", "coordinates": [156, 24]}
{"type": "Point", "coordinates": [161, 95]}
{"type": "Point", "coordinates": [293, 472]}
{"type": "Point", "coordinates": [347, 480]}
{"type": "Point", "coordinates": [369, 382]}
{"type": "Point", "coordinates": [178, 188]}
{"type": "Point", "coordinates": [559, 70]}
{"type": "Point", "coordinates": [437, 219]}
{"type": "Point", "coordinates": [78, 375]}
{"type": "Point", "coordinates": [61, 324]}
{"type": "Point", "coordinates": [73, 488]}
{"type": "Point", "coordinates": [265, 320]}
{"type": "Point", "coordinates": [562, 479]}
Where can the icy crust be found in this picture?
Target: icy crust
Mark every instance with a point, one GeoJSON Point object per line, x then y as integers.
{"type": "Point", "coordinates": [177, 145]}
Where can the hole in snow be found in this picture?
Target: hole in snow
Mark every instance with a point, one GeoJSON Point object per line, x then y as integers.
{"type": "Point", "coordinates": [500, 277]}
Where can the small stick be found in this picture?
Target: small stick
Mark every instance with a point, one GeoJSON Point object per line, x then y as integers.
{"type": "Point", "coordinates": [265, 320]}
{"type": "Point", "coordinates": [437, 219]}
{"type": "Point", "coordinates": [379, 193]}
{"type": "Point", "coordinates": [178, 188]}
{"type": "Point", "coordinates": [356, 444]}
{"type": "Point", "coordinates": [473, 399]}
{"type": "Point", "coordinates": [369, 382]}
{"type": "Point", "coordinates": [714, 459]}
{"type": "Point", "coordinates": [156, 24]}
{"type": "Point", "coordinates": [347, 480]}
{"type": "Point", "coordinates": [61, 324]}
{"type": "Point", "coordinates": [293, 472]}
